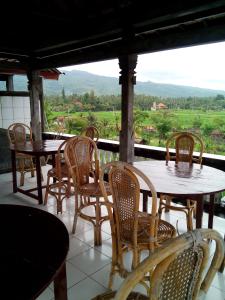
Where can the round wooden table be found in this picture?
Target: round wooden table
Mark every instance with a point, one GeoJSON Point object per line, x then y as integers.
{"type": "Point", "coordinates": [34, 246]}
{"type": "Point", "coordinates": [36, 149]}
{"type": "Point", "coordinates": [183, 180]}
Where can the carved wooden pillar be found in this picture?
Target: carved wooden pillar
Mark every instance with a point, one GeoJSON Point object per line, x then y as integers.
{"type": "Point", "coordinates": [127, 65]}
{"type": "Point", "coordinates": [34, 89]}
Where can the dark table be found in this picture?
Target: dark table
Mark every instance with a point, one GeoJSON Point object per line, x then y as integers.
{"type": "Point", "coordinates": [184, 181]}
{"type": "Point", "coordinates": [34, 246]}
{"type": "Point", "coordinates": [36, 149]}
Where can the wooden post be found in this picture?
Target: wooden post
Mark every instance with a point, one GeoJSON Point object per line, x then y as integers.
{"type": "Point", "coordinates": [41, 97]}
{"type": "Point", "coordinates": [34, 89]}
{"type": "Point", "coordinates": [127, 65]}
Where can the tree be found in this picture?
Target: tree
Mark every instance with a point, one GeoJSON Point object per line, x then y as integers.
{"type": "Point", "coordinates": [63, 94]}
{"type": "Point", "coordinates": [197, 122]}
{"type": "Point", "coordinates": [92, 119]}
{"type": "Point", "coordinates": [207, 128]}
{"type": "Point", "coordinates": [219, 97]}
{"type": "Point", "coordinates": [138, 119]}
{"type": "Point", "coordinates": [163, 124]}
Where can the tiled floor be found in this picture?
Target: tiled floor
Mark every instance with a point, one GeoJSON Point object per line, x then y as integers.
{"type": "Point", "coordinates": [88, 266]}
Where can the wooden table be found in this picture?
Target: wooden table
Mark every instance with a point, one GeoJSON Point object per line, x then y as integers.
{"type": "Point", "coordinates": [184, 181]}
{"type": "Point", "coordinates": [34, 246]}
{"type": "Point", "coordinates": [36, 149]}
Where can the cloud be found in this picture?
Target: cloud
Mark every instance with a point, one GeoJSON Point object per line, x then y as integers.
{"type": "Point", "coordinates": [201, 66]}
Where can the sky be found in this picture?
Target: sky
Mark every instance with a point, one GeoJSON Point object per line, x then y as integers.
{"type": "Point", "coordinates": [198, 66]}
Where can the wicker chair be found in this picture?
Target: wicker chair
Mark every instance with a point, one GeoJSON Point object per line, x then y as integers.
{"type": "Point", "coordinates": [177, 269]}
{"type": "Point", "coordinates": [91, 132]}
{"type": "Point", "coordinates": [60, 188]}
{"type": "Point", "coordinates": [130, 228]}
{"type": "Point", "coordinates": [184, 143]}
{"type": "Point", "coordinates": [82, 159]}
{"type": "Point", "coordinates": [18, 133]}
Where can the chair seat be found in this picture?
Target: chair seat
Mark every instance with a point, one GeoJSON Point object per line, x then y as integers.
{"type": "Point", "coordinates": [110, 295]}
{"type": "Point", "coordinates": [164, 232]}
{"type": "Point", "coordinates": [22, 155]}
{"type": "Point", "coordinates": [93, 189]}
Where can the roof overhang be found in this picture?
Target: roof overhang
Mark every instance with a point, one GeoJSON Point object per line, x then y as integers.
{"type": "Point", "coordinates": [63, 32]}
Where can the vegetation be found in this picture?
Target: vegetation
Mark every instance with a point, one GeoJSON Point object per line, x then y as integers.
{"type": "Point", "coordinates": [205, 116]}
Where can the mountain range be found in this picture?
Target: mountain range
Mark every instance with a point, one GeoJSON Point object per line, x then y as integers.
{"type": "Point", "coordinates": [80, 82]}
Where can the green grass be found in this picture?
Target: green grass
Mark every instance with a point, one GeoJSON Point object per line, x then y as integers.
{"type": "Point", "coordinates": [181, 120]}
{"type": "Point", "coordinates": [184, 118]}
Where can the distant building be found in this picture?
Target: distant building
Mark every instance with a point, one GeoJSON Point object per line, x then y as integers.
{"type": "Point", "coordinates": [149, 128]}
{"type": "Point", "coordinates": [158, 106]}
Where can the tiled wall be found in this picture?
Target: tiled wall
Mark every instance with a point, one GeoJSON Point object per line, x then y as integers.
{"type": "Point", "coordinates": [14, 109]}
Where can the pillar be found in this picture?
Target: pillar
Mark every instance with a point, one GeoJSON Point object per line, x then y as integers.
{"type": "Point", "coordinates": [127, 64]}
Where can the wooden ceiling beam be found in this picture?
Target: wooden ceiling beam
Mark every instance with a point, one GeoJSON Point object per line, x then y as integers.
{"type": "Point", "coordinates": [181, 36]}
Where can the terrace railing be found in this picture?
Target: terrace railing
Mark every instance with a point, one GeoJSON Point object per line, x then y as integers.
{"type": "Point", "coordinates": [109, 151]}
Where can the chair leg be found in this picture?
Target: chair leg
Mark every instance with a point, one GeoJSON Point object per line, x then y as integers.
{"type": "Point", "coordinates": [160, 206]}
{"type": "Point", "coordinates": [75, 214]}
{"type": "Point", "coordinates": [194, 211]}
{"type": "Point", "coordinates": [59, 200]}
{"type": "Point", "coordinates": [47, 190]}
{"type": "Point", "coordinates": [221, 269]}
{"type": "Point", "coordinates": [164, 205]}
{"type": "Point", "coordinates": [32, 167]}
{"type": "Point", "coordinates": [168, 203]}
{"type": "Point", "coordinates": [189, 216]}
{"type": "Point", "coordinates": [97, 231]}
{"type": "Point", "coordinates": [21, 163]}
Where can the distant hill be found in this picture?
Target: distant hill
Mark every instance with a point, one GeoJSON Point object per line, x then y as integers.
{"type": "Point", "coordinates": [80, 82]}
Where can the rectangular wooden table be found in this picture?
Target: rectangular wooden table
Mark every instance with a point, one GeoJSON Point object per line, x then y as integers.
{"type": "Point", "coordinates": [36, 149]}
{"type": "Point", "coordinates": [184, 181]}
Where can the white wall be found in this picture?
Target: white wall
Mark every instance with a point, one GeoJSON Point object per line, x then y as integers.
{"type": "Point", "coordinates": [14, 109]}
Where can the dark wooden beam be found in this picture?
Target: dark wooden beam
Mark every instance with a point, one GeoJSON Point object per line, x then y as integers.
{"type": "Point", "coordinates": [184, 35]}
{"type": "Point", "coordinates": [5, 65]}
{"type": "Point", "coordinates": [14, 93]}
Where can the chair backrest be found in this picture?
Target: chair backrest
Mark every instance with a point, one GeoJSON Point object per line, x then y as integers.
{"type": "Point", "coordinates": [184, 143]}
{"type": "Point", "coordinates": [177, 267]}
{"type": "Point", "coordinates": [60, 159]}
{"type": "Point", "coordinates": [124, 181]}
{"type": "Point", "coordinates": [18, 133]}
{"type": "Point", "coordinates": [91, 132]}
{"type": "Point", "coordinates": [81, 164]}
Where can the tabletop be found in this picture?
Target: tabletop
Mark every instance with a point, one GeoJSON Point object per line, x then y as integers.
{"type": "Point", "coordinates": [38, 147]}
{"type": "Point", "coordinates": [34, 245]}
{"type": "Point", "coordinates": [182, 180]}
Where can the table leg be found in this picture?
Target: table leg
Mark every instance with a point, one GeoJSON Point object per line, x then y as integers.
{"type": "Point", "coordinates": [39, 183]}
{"type": "Point", "coordinates": [13, 159]}
{"type": "Point", "coordinates": [211, 211]}
{"type": "Point", "coordinates": [199, 211]}
{"type": "Point", "coordinates": [221, 269]}
{"type": "Point", "coordinates": [145, 200]}
{"type": "Point", "coordinates": [60, 284]}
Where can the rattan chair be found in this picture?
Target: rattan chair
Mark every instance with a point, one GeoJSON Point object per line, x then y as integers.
{"type": "Point", "coordinates": [60, 188]}
{"type": "Point", "coordinates": [184, 144]}
{"type": "Point", "coordinates": [19, 133]}
{"type": "Point", "coordinates": [131, 229]}
{"type": "Point", "coordinates": [178, 269]}
{"type": "Point", "coordinates": [81, 156]}
{"type": "Point", "coordinates": [91, 132]}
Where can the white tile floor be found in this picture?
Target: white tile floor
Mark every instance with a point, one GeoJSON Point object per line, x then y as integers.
{"type": "Point", "coordinates": [88, 266]}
